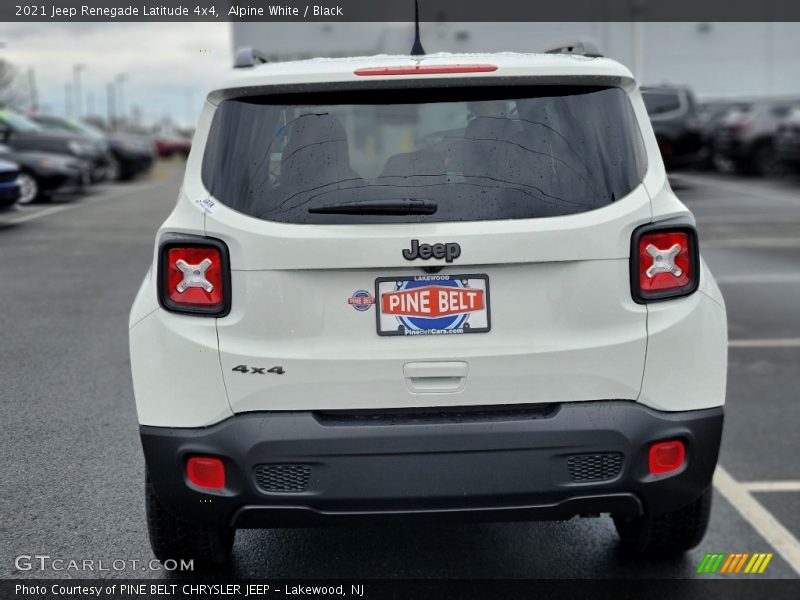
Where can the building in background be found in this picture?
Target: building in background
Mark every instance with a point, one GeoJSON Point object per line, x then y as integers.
{"type": "Point", "coordinates": [717, 60]}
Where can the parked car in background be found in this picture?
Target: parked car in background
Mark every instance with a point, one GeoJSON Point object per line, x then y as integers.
{"type": "Point", "coordinates": [676, 123]}
{"type": "Point", "coordinates": [746, 136]}
{"type": "Point", "coordinates": [169, 145]}
{"type": "Point", "coordinates": [41, 174]}
{"type": "Point", "coordinates": [9, 184]}
{"type": "Point", "coordinates": [129, 155]}
{"type": "Point", "coordinates": [21, 133]}
{"type": "Point", "coordinates": [787, 141]}
{"type": "Point", "coordinates": [711, 115]}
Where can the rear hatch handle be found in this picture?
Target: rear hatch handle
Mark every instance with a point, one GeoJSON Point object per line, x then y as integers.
{"type": "Point", "coordinates": [435, 377]}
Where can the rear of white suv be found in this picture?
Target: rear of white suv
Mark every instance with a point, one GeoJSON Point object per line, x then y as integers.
{"type": "Point", "coordinates": [442, 287]}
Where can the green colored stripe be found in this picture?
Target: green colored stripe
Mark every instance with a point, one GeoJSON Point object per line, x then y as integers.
{"type": "Point", "coordinates": [702, 567]}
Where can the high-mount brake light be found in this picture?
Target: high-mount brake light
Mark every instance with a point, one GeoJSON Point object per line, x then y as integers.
{"type": "Point", "coordinates": [665, 262]}
{"type": "Point", "coordinates": [194, 277]}
{"type": "Point", "coordinates": [425, 70]}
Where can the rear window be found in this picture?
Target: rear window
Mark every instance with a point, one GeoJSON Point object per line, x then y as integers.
{"type": "Point", "coordinates": [658, 103]}
{"type": "Point", "coordinates": [416, 155]}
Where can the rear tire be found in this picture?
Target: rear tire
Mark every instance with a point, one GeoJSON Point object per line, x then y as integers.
{"type": "Point", "coordinates": [174, 538]}
{"type": "Point", "coordinates": [765, 161]}
{"type": "Point", "coordinates": [666, 534]}
{"type": "Point", "coordinates": [113, 170]}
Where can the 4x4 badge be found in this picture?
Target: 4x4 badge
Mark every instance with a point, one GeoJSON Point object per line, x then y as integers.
{"type": "Point", "coordinates": [449, 251]}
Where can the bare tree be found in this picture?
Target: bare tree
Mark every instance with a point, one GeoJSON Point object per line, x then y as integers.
{"type": "Point", "coordinates": [12, 91]}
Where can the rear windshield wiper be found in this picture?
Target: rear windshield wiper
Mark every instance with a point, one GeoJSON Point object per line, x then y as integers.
{"type": "Point", "coordinates": [401, 206]}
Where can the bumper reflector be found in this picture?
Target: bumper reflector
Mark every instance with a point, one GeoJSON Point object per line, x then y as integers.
{"type": "Point", "coordinates": [206, 472]}
{"type": "Point", "coordinates": [666, 457]}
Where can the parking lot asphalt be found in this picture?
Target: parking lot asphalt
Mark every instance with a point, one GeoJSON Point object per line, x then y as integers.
{"type": "Point", "coordinates": [72, 472]}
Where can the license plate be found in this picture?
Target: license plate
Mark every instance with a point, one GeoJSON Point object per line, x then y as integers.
{"type": "Point", "coordinates": [432, 304]}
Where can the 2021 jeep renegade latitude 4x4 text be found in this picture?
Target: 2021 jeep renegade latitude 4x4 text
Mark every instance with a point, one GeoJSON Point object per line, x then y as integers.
{"type": "Point", "coordinates": [451, 286]}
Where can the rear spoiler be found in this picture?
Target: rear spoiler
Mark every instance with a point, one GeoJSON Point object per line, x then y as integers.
{"type": "Point", "coordinates": [579, 48]}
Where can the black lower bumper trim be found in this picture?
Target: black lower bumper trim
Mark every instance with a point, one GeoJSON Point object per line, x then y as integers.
{"type": "Point", "coordinates": [623, 505]}
{"type": "Point", "coordinates": [496, 463]}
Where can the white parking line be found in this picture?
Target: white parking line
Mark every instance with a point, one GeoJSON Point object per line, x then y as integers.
{"type": "Point", "coordinates": [756, 190]}
{"type": "Point", "coordinates": [765, 343]}
{"type": "Point", "coordinates": [771, 486]}
{"type": "Point", "coordinates": [747, 219]}
{"type": "Point", "coordinates": [84, 202]}
{"type": "Point", "coordinates": [759, 278]}
{"type": "Point", "coordinates": [767, 526]}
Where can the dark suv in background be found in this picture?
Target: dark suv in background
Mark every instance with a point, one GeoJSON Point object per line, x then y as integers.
{"type": "Point", "coordinates": [676, 123]}
{"type": "Point", "coordinates": [746, 136]}
{"type": "Point", "coordinates": [787, 141]}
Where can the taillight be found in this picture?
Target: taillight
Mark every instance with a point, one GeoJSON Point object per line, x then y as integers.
{"type": "Point", "coordinates": [425, 70]}
{"type": "Point", "coordinates": [666, 457]}
{"type": "Point", "coordinates": [194, 276]}
{"type": "Point", "coordinates": [665, 262]}
{"type": "Point", "coordinates": [206, 472]}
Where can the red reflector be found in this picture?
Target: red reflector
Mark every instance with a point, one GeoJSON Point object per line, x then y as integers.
{"type": "Point", "coordinates": [425, 70]}
{"type": "Point", "coordinates": [665, 262]}
{"type": "Point", "coordinates": [194, 276]}
{"type": "Point", "coordinates": [206, 472]}
{"type": "Point", "coordinates": [666, 457]}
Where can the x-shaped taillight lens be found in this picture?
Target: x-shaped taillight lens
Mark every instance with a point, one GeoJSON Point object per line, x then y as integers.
{"type": "Point", "coordinates": [665, 263]}
{"type": "Point", "coordinates": [194, 278]}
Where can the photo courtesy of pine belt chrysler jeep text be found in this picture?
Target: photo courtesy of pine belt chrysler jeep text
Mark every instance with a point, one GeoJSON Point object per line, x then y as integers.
{"type": "Point", "coordinates": [434, 287]}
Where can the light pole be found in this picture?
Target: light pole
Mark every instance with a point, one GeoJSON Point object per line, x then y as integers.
{"type": "Point", "coordinates": [68, 99]}
{"type": "Point", "coordinates": [110, 102]}
{"type": "Point", "coordinates": [120, 81]}
{"type": "Point", "coordinates": [33, 92]}
{"type": "Point", "coordinates": [76, 79]}
{"type": "Point", "coordinates": [638, 10]}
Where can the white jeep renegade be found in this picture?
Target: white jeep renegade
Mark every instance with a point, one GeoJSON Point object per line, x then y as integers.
{"type": "Point", "coordinates": [448, 286]}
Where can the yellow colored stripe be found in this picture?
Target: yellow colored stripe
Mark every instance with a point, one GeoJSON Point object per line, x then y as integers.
{"type": "Point", "coordinates": [757, 564]}
{"type": "Point", "coordinates": [765, 563]}
{"type": "Point", "coordinates": [752, 563]}
{"type": "Point", "coordinates": [728, 563]}
{"type": "Point", "coordinates": [741, 562]}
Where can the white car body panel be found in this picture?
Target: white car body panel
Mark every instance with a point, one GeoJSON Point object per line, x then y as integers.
{"type": "Point", "coordinates": [564, 325]}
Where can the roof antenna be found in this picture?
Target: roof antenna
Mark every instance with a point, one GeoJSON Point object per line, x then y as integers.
{"type": "Point", "coordinates": [417, 49]}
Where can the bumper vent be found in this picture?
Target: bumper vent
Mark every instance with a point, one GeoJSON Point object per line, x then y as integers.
{"type": "Point", "coordinates": [282, 478]}
{"type": "Point", "coordinates": [594, 467]}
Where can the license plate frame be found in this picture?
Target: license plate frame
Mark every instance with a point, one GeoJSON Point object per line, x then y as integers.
{"type": "Point", "coordinates": [456, 323]}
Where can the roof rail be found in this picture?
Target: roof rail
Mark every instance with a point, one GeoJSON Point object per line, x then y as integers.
{"type": "Point", "coordinates": [248, 57]}
{"type": "Point", "coordinates": [578, 47]}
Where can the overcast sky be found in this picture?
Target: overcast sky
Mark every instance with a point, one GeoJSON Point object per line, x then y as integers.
{"type": "Point", "coordinates": [170, 66]}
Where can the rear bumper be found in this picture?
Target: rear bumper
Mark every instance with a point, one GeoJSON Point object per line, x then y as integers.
{"type": "Point", "coordinates": [733, 148]}
{"type": "Point", "coordinates": [62, 181]}
{"type": "Point", "coordinates": [132, 164]}
{"type": "Point", "coordinates": [489, 464]}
